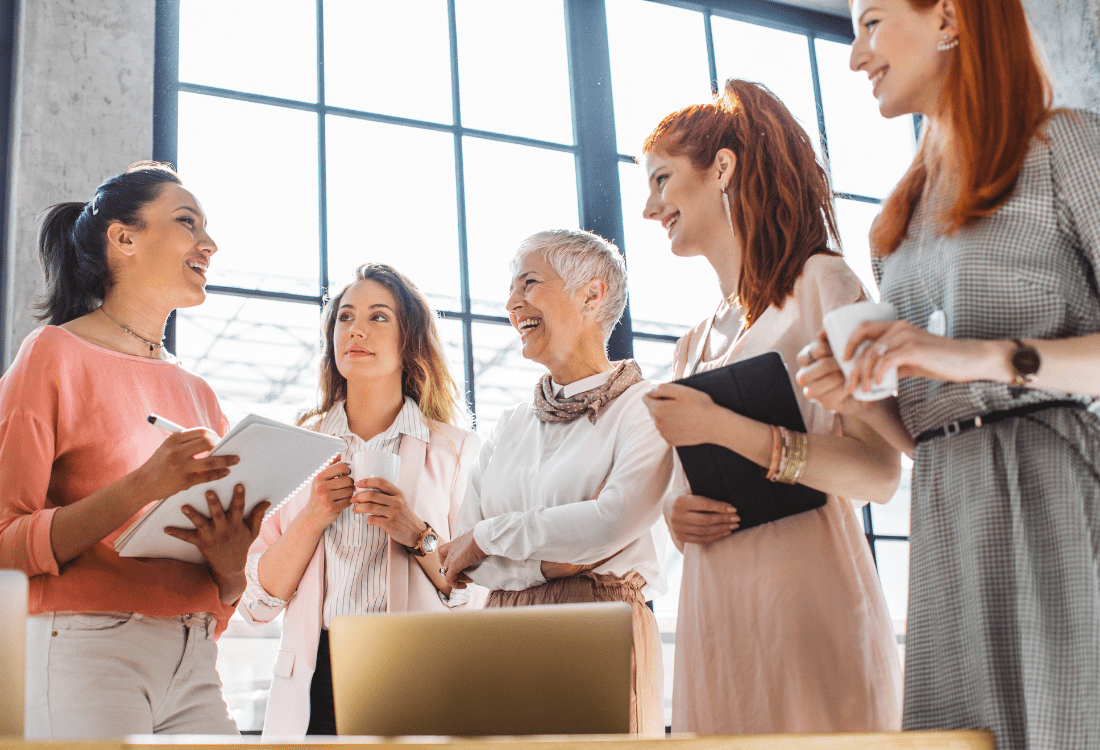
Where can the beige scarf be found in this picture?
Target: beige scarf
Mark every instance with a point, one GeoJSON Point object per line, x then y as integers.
{"type": "Point", "coordinates": [550, 409]}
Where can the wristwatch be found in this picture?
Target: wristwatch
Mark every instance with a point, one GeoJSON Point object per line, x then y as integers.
{"type": "Point", "coordinates": [426, 544]}
{"type": "Point", "coordinates": [1025, 363]}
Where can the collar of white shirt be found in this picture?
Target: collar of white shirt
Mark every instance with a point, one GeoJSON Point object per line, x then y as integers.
{"type": "Point", "coordinates": [584, 384]}
{"type": "Point", "coordinates": [410, 421]}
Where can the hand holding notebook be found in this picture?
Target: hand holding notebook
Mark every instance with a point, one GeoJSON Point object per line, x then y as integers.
{"type": "Point", "coordinates": [275, 461]}
{"type": "Point", "coordinates": [758, 388]}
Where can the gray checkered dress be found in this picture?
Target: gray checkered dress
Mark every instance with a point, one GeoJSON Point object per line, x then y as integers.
{"type": "Point", "coordinates": [1004, 594]}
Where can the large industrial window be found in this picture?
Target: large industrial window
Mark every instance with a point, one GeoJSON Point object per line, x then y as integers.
{"type": "Point", "coordinates": [435, 135]}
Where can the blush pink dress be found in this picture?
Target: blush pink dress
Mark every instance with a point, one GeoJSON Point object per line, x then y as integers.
{"type": "Point", "coordinates": [783, 627]}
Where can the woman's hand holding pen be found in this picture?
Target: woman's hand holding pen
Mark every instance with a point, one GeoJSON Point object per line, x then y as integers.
{"type": "Point", "coordinates": [181, 461]}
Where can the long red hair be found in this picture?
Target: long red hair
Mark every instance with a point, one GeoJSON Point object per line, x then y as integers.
{"type": "Point", "coordinates": [780, 199]}
{"type": "Point", "coordinates": [997, 97]}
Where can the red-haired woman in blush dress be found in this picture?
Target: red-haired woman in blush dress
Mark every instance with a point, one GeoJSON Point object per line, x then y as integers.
{"type": "Point", "coordinates": [782, 627]}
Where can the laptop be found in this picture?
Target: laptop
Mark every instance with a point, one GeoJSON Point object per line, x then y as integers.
{"type": "Point", "coordinates": [13, 639]}
{"type": "Point", "coordinates": [548, 669]}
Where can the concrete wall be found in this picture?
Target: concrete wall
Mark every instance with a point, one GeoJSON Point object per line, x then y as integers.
{"type": "Point", "coordinates": [84, 103]}
{"type": "Point", "coordinates": [83, 112]}
{"type": "Point", "coordinates": [1070, 33]}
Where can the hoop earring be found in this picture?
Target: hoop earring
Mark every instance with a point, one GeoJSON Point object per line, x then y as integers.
{"type": "Point", "coordinates": [945, 45]}
{"type": "Point", "coordinates": [729, 214]}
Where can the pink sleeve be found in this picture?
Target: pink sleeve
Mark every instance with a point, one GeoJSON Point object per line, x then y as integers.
{"type": "Point", "coordinates": [26, 459]}
{"type": "Point", "coordinates": [28, 446]}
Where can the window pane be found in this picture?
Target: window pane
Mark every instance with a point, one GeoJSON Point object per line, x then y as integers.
{"type": "Point", "coordinates": [654, 358]}
{"type": "Point", "coordinates": [869, 153]}
{"type": "Point", "coordinates": [259, 356]}
{"type": "Point", "coordinates": [893, 571]}
{"type": "Point", "coordinates": [450, 331]}
{"type": "Point", "coordinates": [658, 65]}
{"type": "Point", "coordinates": [254, 169]}
{"type": "Point", "coordinates": [260, 46]}
{"type": "Point", "coordinates": [778, 59]}
{"type": "Point", "coordinates": [391, 199]}
{"type": "Point", "coordinates": [502, 377]}
{"type": "Point", "coordinates": [854, 218]}
{"type": "Point", "coordinates": [668, 295]}
{"type": "Point", "coordinates": [246, 662]}
{"type": "Point", "coordinates": [892, 519]}
{"type": "Point", "coordinates": [511, 193]}
{"type": "Point", "coordinates": [409, 42]}
{"type": "Point", "coordinates": [513, 70]}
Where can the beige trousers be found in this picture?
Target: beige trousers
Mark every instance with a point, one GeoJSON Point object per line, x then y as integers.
{"type": "Point", "coordinates": [93, 675]}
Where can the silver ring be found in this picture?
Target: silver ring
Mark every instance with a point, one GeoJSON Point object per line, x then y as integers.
{"type": "Point", "coordinates": [442, 571]}
{"type": "Point", "coordinates": [881, 349]}
{"type": "Point", "coordinates": [810, 357]}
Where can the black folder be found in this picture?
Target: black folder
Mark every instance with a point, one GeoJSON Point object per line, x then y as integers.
{"type": "Point", "coordinates": [758, 388]}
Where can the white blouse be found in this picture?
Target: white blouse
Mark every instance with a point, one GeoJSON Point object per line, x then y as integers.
{"type": "Point", "coordinates": [570, 492]}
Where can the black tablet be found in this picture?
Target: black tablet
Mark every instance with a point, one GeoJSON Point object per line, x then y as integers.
{"type": "Point", "coordinates": [758, 388]}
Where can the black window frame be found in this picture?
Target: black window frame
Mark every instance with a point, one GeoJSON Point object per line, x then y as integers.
{"type": "Point", "coordinates": [595, 151]}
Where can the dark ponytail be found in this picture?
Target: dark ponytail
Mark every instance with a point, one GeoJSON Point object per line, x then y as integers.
{"type": "Point", "coordinates": [72, 240]}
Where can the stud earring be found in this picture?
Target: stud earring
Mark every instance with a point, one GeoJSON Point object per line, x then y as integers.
{"type": "Point", "coordinates": [945, 45]}
{"type": "Point", "coordinates": [586, 308]}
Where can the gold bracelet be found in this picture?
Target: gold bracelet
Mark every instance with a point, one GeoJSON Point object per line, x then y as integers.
{"type": "Point", "coordinates": [777, 453]}
{"type": "Point", "coordinates": [796, 458]}
{"type": "Point", "coordinates": [804, 454]}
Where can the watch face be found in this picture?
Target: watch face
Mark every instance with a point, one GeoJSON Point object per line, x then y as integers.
{"type": "Point", "coordinates": [1026, 360]}
{"type": "Point", "coordinates": [429, 543]}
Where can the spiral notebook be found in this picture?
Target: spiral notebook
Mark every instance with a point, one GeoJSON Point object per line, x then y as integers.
{"type": "Point", "coordinates": [759, 388]}
{"type": "Point", "coordinates": [276, 460]}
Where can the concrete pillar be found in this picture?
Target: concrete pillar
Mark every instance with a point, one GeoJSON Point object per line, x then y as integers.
{"type": "Point", "coordinates": [83, 112]}
{"type": "Point", "coordinates": [1070, 34]}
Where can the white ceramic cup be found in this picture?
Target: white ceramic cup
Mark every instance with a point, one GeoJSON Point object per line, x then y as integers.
{"type": "Point", "coordinates": [371, 464]}
{"type": "Point", "coordinates": [841, 323]}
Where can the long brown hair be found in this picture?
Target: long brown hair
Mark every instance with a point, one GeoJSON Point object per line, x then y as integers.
{"type": "Point", "coordinates": [780, 199]}
{"type": "Point", "coordinates": [997, 96]}
{"type": "Point", "coordinates": [425, 377]}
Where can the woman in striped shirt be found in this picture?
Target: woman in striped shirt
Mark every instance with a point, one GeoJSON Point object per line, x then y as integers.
{"type": "Point", "coordinates": [346, 547]}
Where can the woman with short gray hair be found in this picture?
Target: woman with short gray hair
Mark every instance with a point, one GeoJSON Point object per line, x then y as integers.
{"type": "Point", "coordinates": [567, 489]}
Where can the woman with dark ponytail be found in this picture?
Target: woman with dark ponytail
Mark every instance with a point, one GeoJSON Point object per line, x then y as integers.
{"type": "Point", "coordinates": [117, 645]}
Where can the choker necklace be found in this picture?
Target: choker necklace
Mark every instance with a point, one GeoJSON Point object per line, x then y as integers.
{"type": "Point", "coordinates": [152, 346]}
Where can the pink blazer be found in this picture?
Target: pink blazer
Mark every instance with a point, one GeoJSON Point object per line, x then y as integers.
{"type": "Point", "coordinates": [433, 478]}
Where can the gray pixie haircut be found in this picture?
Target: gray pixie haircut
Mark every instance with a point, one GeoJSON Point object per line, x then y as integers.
{"type": "Point", "coordinates": [579, 257]}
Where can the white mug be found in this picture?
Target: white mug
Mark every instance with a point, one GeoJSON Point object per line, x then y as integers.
{"type": "Point", "coordinates": [371, 464]}
{"type": "Point", "coordinates": [841, 323]}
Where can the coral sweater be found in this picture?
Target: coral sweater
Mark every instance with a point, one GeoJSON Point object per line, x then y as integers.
{"type": "Point", "coordinates": [73, 420]}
